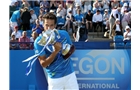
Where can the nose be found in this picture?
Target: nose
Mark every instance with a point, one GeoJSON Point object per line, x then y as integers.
{"type": "Point", "coordinates": [49, 28]}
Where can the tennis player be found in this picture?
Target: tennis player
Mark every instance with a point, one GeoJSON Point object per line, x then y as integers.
{"type": "Point", "coordinates": [61, 75]}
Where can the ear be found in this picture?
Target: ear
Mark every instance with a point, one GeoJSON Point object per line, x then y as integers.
{"type": "Point", "coordinates": [55, 26]}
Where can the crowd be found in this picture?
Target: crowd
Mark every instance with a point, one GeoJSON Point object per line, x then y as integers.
{"type": "Point", "coordinates": [113, 15]}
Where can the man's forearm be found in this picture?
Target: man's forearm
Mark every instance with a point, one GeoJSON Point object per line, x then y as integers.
{"type": "Point", "coordinates": [49, 59]}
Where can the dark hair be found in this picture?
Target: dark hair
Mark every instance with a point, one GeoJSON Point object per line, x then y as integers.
{"type": "Point", "coordinates": [98, 10]}
{"type": "Point", "coordinates": [50, 16]}
{"type": "Point", "coordinates": [89, 11]}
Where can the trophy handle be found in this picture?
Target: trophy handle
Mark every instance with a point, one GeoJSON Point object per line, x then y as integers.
{"type": "Point", "coordinates": [72, 49]}
{"type": "Point", "coordinates": [58, 35]}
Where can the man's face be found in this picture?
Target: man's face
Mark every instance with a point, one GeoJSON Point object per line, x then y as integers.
{"type": "Point", "coordinates": [78, 12]}
{"type": "Point", "coordinates": [89, 13]}
{"type": "Point", "coordinates": [16, 29]}
{"type": "Point", "coordinates": [49, 24]}
{"type": "Point", "coordinates": [98, 13]}
{"type": "Point", "coordinates": [31, 12]}
{"type": "Point", "coordinates": [128, 30]}
{"type": "Point", "coordinates": [24, 34]}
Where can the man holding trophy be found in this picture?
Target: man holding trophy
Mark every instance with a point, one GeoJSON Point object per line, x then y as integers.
{"type": "Point", "coordinates": [54, 48]}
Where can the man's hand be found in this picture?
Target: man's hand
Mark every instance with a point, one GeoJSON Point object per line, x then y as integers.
{"type": "Point", "coordinates": [57, 46]}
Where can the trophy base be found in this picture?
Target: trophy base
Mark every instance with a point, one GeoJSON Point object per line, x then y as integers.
{"type": "Point", "coordinates": [72, 49]}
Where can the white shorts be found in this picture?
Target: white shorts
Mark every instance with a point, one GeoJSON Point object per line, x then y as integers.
{"type": "Point", "coordinates": [68, 82]}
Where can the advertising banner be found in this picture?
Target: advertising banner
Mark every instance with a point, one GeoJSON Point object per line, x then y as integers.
{"type": "Point", "coordinates": [95, 70]}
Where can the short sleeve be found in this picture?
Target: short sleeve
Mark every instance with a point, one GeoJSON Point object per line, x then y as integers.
{"type": "Point", "coordinates": [18, 15]}
{"type": "Point", "coordinates": [38, 48]}
{"type": "Point", "coordinates": [67, 36]}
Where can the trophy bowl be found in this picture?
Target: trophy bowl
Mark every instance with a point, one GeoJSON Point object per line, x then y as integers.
{"type": "Point", "coordinates": [50, 37]}
{"type": "Point", "coordinates": [46, 38]}
{"type": "Point", "coordinates": [68, 51]}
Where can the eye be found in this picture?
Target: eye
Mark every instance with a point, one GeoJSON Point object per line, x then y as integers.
{"type": "Point", "coordinates": [46, 25]}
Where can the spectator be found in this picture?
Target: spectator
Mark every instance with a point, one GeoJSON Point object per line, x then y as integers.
{"type": "Point", "coordinates": [87, 5]}
{"type": "Point", "coordinates": [96, 3]}
{"type": "Point", "coordinates": [72, 9]}
{"type": "Point", "coordinates": [78, 20]}
{"type": "Point", "coordinates": [53, 5]}
{"type": "Point", "coordinates": [96, 6]}
{"type": "Point", "coordinates": [40, 18]}
{"type": "Point", "coordinates": [12, 2]}
{"type": "Point", "coordinates": [16, 33]}
{"type": "Point", "coordinates": [79, 2]}
{"type": "Point", "coordinates": [13, 44]}
{"type": "Point", "coordinates": [46, 6]}
{"type": "Point", "coordinates": [130, 19]}
{"type": "Point", "coordinates": [69, 20]}
{"type": "Point", "coordinates": [34, 35]}
{"type": "Point", "coordinates": [37, 3]}
{"type": "Point", "coordinates": [119, 13]}
{"type": "Point", "coordinates": [24, 41]}
{"type": "Point", "coordinates": [12, 7]}
{"type": "Point", "coordinates": [115, 13]}
{"type": "Point", "coordinates": [52, 11]}
{"type": "Point", "coordinates": [41, 11]}
{"type": "Point", "coordinates": [126, 20]}
{"type": "Point", "coordinates": [15, 19]}
{"type": "Point", "coordinates": [111, 23]}
{"type": "Point", "coordinates": [129, 8]}
{"type": "Point", "coordinates": [32, 3]}
{"type": "Point", "coordinates": [69, 3]}
{"type": "Point", "coordinates": [33, 17]}
{"type": "Point", "coordinates": [10, 31]}
{"type": "Point", "coordinates": [60, 11]}
{"type": "Point", "coordinates": [25, 17]}
{"type": "Point", "coordinates": [125, 7]}
{"type": "Point", "coordinates": [115, 4]}
{"type": "Point", "coordinates": [61, 2]}
{"type": "Point", "coordinates": [117, 28]}
{"type": "Point", "coordinates": [77, 7]}
{"type": "Point", "coordinates": [97, 19]}
{"type": "Point", "coordinates": [127, 34]}
{"type": "Point", "coordinates": [89, 20]}
{"type": "Point", "coordinates": [37, 27]}
{"type": "Point", "coordinates": [105, 4]}
{"type": "Point", "coordinates": [25, 4]}
{"type": "Point", "coordinates": [106, 19]}
{"type": "Point", "coordinates": [122, 2]}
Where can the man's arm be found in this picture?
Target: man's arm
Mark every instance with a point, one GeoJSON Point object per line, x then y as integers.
{"type": "Point", "coordinates": [93, 18]}
{"type": "Point", "coordinates": [101, 18]}
{"type": "Point", "coordinates": [45, 61]}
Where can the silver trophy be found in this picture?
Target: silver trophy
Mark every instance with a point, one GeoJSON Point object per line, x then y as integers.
{"type": "Point", "coordinates": [53, 36]}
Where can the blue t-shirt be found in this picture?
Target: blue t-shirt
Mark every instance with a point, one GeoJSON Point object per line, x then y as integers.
{"type": "Point", "coordinates": [15, 16]}
{"type": "Point", "coordinates": [59, 67]}
{"type": "Point", "coordinates": [78, 17]}
{"type": "Point", "coordinates": [38, 30]}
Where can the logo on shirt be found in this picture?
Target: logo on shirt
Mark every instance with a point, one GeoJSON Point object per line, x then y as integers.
{"type": "Point", "coordinates": [36, 51]}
